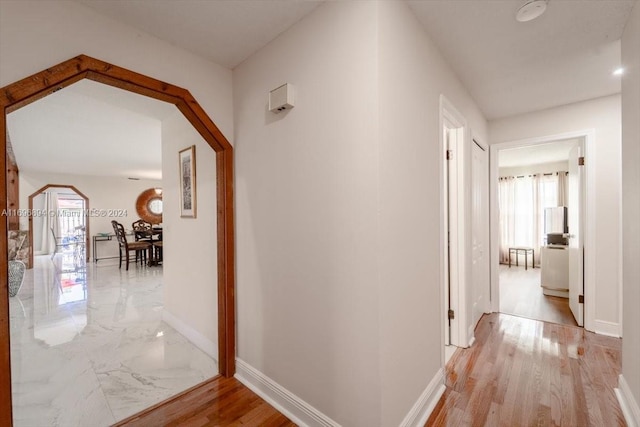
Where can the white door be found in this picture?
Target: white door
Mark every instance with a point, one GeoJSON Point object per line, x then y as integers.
{"type": "Point", "coordinates": [479, 232]}
{"type": "Point", "coordinates": [450, 176]}
{"type": "Point", "coordinates": [452, 139]}
{"type": "Point", "coordinates": [576, 234]}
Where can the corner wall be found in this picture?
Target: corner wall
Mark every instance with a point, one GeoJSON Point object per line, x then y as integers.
{"type": "Point", "coordinates": [603, 115]}
{"type": "Point", "coordinates": [339, 212]}
{"type": "Point", "coordinates": [412, 76]}
{"type": "Point", "coordinates": [631, 211]}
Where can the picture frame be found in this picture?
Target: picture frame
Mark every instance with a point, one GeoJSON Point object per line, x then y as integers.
{"type": "Point", "coordinates": [187, 175]}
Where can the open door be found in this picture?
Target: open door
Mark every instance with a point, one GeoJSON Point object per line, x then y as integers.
{"type": "Point", "coordinates": [479, 231]}
{"type": "Point", "coordinates": [576, 234]}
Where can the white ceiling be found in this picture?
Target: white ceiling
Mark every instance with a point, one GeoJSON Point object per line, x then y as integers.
{"type": "Point", "coordinates": [225, 31]}
{"type": "Point", "coordinates": [556, 151]}
{"type": "Point", "coordinates": [566, 55]}
{"type": "Point", "coordinates": [90, 128]}
{"type": "Point", "coordinates": [509, 67]}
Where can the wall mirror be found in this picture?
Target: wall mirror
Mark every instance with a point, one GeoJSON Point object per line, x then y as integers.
{"type": "Point", "coordinates": [149, 205]}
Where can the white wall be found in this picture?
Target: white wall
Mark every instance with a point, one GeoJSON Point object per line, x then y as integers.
{"type": "Point", "coordinates": [306, 184]}
{"type": "Point", "coordinates": [35, 35]}
{"type": "Point", "coordinates": [603, 115]}
{"type": "Point", "coordinates": [631, 205]}
{"type": "Point", "coordinates": [338, 210]}
{"type": "Point", "coordinates": [412, 76]}
{"type": "Point", "coordinates": [190, 267]}
{"type": "Point", "coordinates": [104, 193]}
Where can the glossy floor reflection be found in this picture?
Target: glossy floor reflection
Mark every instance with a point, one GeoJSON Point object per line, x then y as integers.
{"type": "Point", "coordinates": [89, 347]}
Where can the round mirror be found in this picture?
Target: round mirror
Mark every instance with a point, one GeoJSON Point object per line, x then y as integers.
{"type": "Point", "coordinates": [149, 205]}
{"type": "Point", "coordinates": [155, 206]}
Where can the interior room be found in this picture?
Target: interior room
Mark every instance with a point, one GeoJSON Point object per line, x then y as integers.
{"type": "Point", "coordinates": [533, 198]}
{"type": "Point", "coordinates": [89, 321]}
{"type": "Point", "coordinates": [350, 150]}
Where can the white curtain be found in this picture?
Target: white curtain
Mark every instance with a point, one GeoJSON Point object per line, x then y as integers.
{"type": "Point", "coordinates": [563, 188]}
{"type": "Point", "coordinates": [521, 202]}
{"type": "Point", "coordinates": [49, 221]}
{"type": "Point", "coordinates": [506, 207]}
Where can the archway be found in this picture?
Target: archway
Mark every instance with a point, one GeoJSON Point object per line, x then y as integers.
{"type": "Point", "coordinates": [46, 82]}
{"type": "Point", "coordinates": [86, 208]}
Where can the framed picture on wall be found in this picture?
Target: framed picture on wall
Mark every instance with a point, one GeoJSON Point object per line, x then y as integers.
{"type": "Point", "coordinates": [187, 159]}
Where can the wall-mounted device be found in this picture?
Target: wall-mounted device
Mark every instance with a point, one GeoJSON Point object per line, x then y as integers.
{"type": "Point", "coordinates": [281, 98]}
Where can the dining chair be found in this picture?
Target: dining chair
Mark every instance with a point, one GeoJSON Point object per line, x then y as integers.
{"type": "Point", "coordinates": [142, 232]}
{"type": "Point", "coordinates": [125, 246]}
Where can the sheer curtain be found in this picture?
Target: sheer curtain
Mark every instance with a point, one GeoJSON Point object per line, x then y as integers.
{"type": "Point", "coordinates": [49, 221]}
{"type": "Point", "coordinates": [521, 202]}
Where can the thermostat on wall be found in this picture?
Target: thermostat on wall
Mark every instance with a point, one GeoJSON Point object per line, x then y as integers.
{"type": "Point", "coordinates": [281, 98]}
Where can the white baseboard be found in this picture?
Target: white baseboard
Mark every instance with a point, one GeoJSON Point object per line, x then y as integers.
{"type": "Point", "coordinates": [419, 414]}
{"type": "Point", "coordinates": [196, 338]}
{"type": "Point", "coordinates": [296, 409]}
{"type": "Point", "coordinates": [609, 329]}
{"type": "Point", "coordinates": [472, 340]}
{"type": "Point", "coordinates": [628, 403]}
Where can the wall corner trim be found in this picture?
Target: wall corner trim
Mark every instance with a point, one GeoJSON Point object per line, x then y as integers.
{"type": "Point", "coordinates": [422, 409]}
{"type": "Point", "coordinates": [610, 329]}
{"type": "Point", "coordinates": [296, 409]}
{"type": "Point", "coordinates": [196, 338]}
{"type": "Point", "coordinates": [628, 403]}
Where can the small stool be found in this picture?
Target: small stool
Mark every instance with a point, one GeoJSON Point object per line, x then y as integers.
{"type": "Point", "coordinates": [526, 251]}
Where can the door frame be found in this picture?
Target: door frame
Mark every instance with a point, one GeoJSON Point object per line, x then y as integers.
{"type": "Point", "coordinates": [453, 286]}
{"type": "Point", "coordinates": [588, 215]}
{"type": "Point", "coordinates": [50, 80]}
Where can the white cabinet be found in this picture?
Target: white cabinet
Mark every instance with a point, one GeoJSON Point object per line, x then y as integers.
{"type": "Point", "coordinates": [554, 274]}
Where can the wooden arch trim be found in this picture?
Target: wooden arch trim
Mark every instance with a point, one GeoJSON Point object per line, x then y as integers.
{"type": "Point", "coordinates": [86, 207]}
{"type": "Point", "coordinates": [46, 82]}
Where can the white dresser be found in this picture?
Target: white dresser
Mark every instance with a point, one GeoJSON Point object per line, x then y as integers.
{"type": "Point", "coordinates": [554, 274]}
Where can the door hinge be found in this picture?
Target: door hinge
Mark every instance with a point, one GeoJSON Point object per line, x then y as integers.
{"type": "Point", "coordinates": [581, 299]}
{"type": "Point", "coordinates": [449, 154]}
{"type": "Point", "coordinates": [451, 314]}
{"type": "Point", "coordinates": [581, 161]}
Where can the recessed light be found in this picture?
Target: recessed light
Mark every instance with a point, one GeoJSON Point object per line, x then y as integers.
{"type": "Point", "coordinates": [618, 71]}
{"type": "Point", "coordinates": [531, 10]}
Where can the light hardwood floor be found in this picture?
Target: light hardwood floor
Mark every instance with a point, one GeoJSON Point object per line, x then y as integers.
{"type": "Point", "coordinates": [520, 372]}
{"type": "Point", "coordinates": [521, 295]}
{"type": "Point", "coordinates": [523, 372]}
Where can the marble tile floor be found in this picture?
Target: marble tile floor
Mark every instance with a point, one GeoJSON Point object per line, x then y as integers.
{"type": "Point", "coordinates": [89, 347]}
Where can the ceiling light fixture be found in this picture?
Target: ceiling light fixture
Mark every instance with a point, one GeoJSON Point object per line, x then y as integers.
{"type": "Point", "coordinates": [618, 71]}
{"type": "Point", "coordinates": [531, 10]}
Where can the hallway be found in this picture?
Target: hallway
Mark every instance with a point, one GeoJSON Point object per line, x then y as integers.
{"type": "Point", "coordinates": [527, 372]}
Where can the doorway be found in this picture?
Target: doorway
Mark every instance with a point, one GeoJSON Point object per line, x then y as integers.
{"type": "Point", "coordinates": [57, 77]}
{"type": "Point", "coordinates": [68, 222]}
{"type": "Point", "coordinates": [541, 263]}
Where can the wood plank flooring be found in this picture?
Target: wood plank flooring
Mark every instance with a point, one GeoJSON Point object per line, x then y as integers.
{"type": "Point", "coordinates": [521, 295]}
{"type": "Point", "coordinates": [217, 402]}
{"type": "Point", "coordinates": [523, 372]}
